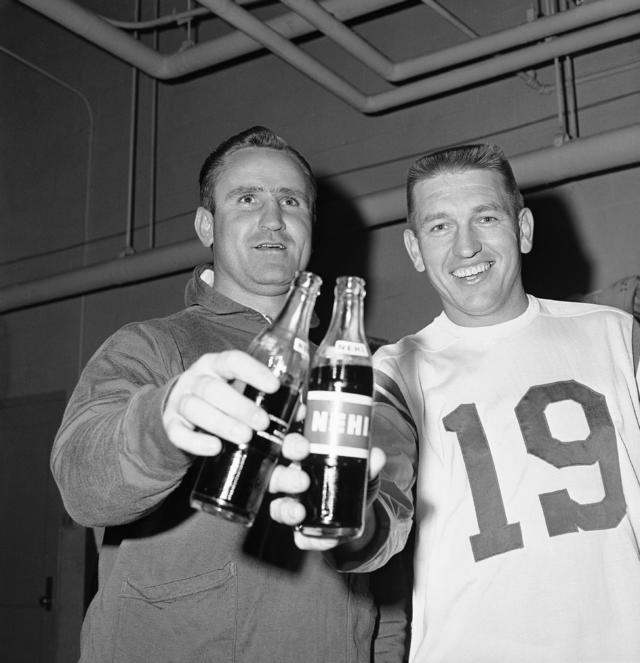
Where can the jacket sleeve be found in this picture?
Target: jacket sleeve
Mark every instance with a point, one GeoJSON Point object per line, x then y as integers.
{"type": "Point", "coordinates": [391, 587]}
{"type": "Point", "coordinates": [111, 458]}
{"type": "Point", "coordinates": [394, 432]}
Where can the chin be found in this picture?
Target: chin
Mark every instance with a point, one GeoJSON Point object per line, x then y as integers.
{"type": "Point", "coordinates": [276, 285]}
{"type": "Point", "coordinates": [276, 274]}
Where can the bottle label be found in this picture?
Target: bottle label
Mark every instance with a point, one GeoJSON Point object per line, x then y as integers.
{"type": "Point", "coordinates": [337, 423]}
{"type": "Point", "coordinates": [351, 348]}
{"type": "Point", "coordinates": [300, 346]}
{"type": "Point", "coordinates": [281, 408]}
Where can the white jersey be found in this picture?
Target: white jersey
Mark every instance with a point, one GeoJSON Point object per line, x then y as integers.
{"type": "Point", "coordinates": [528, 493]}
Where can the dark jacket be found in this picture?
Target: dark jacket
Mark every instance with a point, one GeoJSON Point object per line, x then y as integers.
{"type": "Point", "coordinates": [178, 585]}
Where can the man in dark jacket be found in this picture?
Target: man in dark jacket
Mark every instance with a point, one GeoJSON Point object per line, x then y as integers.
{"type": "Point", "coordinates": [175, 584]}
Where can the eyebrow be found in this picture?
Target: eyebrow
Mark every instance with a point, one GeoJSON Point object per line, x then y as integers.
{"type": "Point", "coordinates": [478, 209]}
{"type": "Point", "coordinates": [490, 207]}
{"type": "Point", "coordinates": [243, 189]}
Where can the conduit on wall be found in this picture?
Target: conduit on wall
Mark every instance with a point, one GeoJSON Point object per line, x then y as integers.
{"type": "Point", "coordinates": [585, 156]}
{"type": "Point", "coordinates": [272, 36]}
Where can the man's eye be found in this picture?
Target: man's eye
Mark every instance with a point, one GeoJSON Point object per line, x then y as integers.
{"type": "Point", "coordinates": [247, 198]}
{"type": "Point", "coordinates": [487, 219]}
{"type": "Point", "coordinates": [438, 227]}
{"type": "Point", "coordinates": [290, 202]}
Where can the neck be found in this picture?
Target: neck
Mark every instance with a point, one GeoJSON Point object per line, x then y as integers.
{"type": "Point", "coordinates": [267, 304]}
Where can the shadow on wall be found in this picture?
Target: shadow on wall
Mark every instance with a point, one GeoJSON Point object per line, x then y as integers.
{"type": "Point", "coordinates": [557, 267]}
{"type": "Point", "coordinates": [340, 248]}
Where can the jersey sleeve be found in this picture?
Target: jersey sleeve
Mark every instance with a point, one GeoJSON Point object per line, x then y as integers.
{"type": "Point", "coordinates": [392, 432]}
{"type": "Point", "coordinates": [111, 457]}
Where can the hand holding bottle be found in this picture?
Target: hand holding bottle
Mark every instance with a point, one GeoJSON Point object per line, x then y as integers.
{"type": "Point", "coordinates": [290, 510]}
{"type": "Point", "coordinates": [233, 483]}
{"type": "Point", "coordinates": [204, 407]}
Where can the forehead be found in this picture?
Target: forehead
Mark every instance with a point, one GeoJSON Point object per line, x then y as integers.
{"type": "Point", "coordinates": [263, 168]}
{"type": "Point", "coordinates": [460, 188]}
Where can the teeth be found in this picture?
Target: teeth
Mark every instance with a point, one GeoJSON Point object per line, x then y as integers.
{"type": "Point", "coordinates": [466, 272]}
{"type": "Point", "coordinates": [266, 245]}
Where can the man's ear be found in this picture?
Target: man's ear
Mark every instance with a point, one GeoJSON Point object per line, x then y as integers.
{"type": "Point", "coordinates": [413, 249]}
{"type": "Point", "coordinates": [525, 230]}
{"type": "Point", "coordinates": [204, 226]}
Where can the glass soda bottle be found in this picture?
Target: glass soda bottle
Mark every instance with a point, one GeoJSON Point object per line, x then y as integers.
{"type": "Point", "coordinates": [339, 400]}
{"type": "Point", "coordinates": [233, 483]}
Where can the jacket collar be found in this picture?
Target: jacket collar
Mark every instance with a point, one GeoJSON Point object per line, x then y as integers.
{"type": "Point", "coordinates": [201, 291]}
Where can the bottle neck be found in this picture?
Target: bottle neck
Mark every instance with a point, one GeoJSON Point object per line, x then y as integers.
{"type": "Point", "coordinates": [347, 318]}
{"type": "Point", "coordinates": [344, 347]}
{"type": "Point", "coordinates": [295, 315]}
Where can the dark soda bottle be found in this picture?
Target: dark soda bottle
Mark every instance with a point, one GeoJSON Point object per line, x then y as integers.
{"type": "Point", "coordinates": [233, 483]}
{"type": "Point", "coordinates": [339, 399]}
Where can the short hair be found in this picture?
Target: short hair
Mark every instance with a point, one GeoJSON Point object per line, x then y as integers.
{"type": "Point", "coordinates": [479, 156]}
{"type": "Point", "coordinates": [256, 136]}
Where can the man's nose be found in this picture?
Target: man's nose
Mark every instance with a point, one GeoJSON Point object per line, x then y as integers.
{"type": "Point", "coordinates": [467, 243]}
{"type": "Point", "coordinates": [271, 216]}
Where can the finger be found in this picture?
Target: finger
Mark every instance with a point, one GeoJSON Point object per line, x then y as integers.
{"type": "Point", "coordinates": [377, 459]}
{"type": "Point", "coordinates": [287, 511]}
{"type": "Point", "coordinates": [211, 398]}
{"type": "Point", "coordinates": [301, 412]}
{"type": "Point", "coordinates": [312, 543]}
{"type": "Point", "coordinates": [194, 442]}
{"type": "Point", "coordinates": [238, 365]}
{"type": "Point", "coordinates": [291, 480]}
{"type": "Point", "coordinates": [295, 447]}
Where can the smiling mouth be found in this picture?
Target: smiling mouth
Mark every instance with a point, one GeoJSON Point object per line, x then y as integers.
{"type": "Point", "coordinates": [471, 273]}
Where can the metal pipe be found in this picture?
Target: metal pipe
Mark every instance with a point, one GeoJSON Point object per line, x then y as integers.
{"type": "Point", "coordinates": [438, 84]}
{"type": "Point", "coordinates": [153, 24]}
{"type": "Point", "coordinates": [153, 145]}
{"type": "Point", "coordinates": [548, 166]}
{"type": "Point", "coordinates": [91, 27]}
{"type": "Point", "coordinates": [450, 17]}
{"type": "Point", "coordinates": [572, 98]}
{"type": "Point", "coordinates": [167, 19]}
{"type": "Point", "coordinates": [98, 31]}
{"type": "Point", "coordinates": [361, 49]}
{"type": "Point", "coordinates": [286, 50]}
{"type": "Point", "coordinates": [500, 65]}
{"type": "Point", "coordinates": [355, 45]}
{"type": "Point", "coordinates": [133, 137]}
{"type": "Point", "coordinates": [570, 87]}
{"type": "Point", "coordinates": [119, 272]}
{"type": "Point", "coordinates": [563, 134]}
{"type": "Point", "coordinates": [513, 38]}
{"type": "Point", "coordinates": [338, 32]}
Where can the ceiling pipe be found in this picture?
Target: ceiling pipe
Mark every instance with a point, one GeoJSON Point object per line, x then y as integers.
{"type": "Point", "coordinates": [359, 48]}
{"type": "Point", "coordinates": [280, 30]}
{"type": "Point", "coordinates": [177, 18]}
{"type": "Point", "coordinates": [549, 166]}
{"type": "Point", "coordinates": [438, 84]}
{"type": "Point", "coordinates": [478, 47]}
{"type": "Point", "coordinates": [98, 31]}
{"type": "Point", "coordinates": [450, 17]}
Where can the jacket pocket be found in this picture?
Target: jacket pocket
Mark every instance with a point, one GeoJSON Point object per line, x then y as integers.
{"type": "Point", "coordinates": [191, 620]}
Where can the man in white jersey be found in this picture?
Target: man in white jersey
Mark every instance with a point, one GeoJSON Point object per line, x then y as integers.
{"type": "Point", "coordinates": [526, 415]}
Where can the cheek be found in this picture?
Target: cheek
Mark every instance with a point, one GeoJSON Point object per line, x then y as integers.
{"type": "Point", "coordinates": [510, 246]}
{"type": "Point", "coordinates": [300, 229]}
{"type": "Point", "coordinates": [433, 254]}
